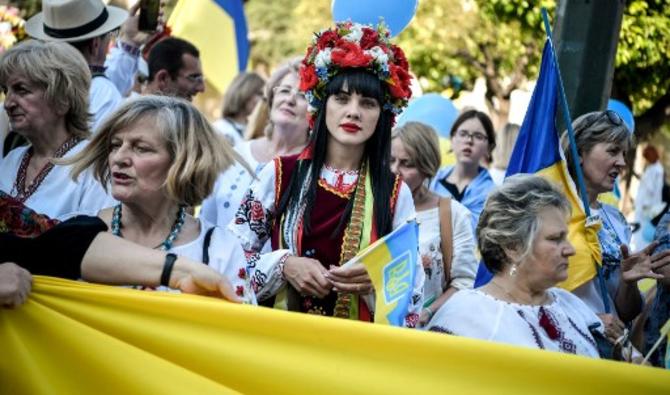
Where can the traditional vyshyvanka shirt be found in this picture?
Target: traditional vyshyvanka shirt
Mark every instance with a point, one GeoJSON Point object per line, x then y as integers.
{"type": "Point", "coordinates": [560, 325]}
{"type": "Point", "coordinates": [56, 195]}
{"type": "Point", "coordinates": [255, 224]}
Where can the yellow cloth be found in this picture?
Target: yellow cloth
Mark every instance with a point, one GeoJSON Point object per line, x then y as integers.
{"type": "Point", "coordinates": [447, 155]}
{"type": "Point", "coordinates": [584, 238]}
{"type": "Point", "coordinates": [78, 338]}
{"type": "Point", "coordinates": [212, 30]}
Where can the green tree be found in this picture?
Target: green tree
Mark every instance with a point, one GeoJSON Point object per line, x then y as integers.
{"type": "Point", "coordinates": [642, 73]}
{"type": "Point", "coordinates": [451, 43]}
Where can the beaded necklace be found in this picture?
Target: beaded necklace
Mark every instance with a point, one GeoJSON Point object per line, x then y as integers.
{"type": "Point", "coordinates": [23, 192]}
{"type": "Point", "coordinates": [174, 232]}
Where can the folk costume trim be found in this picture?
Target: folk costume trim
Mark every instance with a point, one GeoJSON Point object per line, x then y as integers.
{"type": "Point", "coordinates": [23, 191]}
{"type": "Point", "coordinates": [356, 237]}
{"type": "Point", "coordinates": [342, 192]}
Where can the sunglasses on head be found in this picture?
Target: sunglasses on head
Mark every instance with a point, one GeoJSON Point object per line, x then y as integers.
{"type": "Point", "coordinates": [612, 116]}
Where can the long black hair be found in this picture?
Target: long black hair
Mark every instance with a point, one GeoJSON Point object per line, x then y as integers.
{"type": "Point", "coordinates": [377, 152]}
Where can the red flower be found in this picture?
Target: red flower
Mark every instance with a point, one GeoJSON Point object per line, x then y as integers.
{"type": "Point", "coordinates": [370, 38]}
{"type": "Point", "coordinates": [399, 57]}
{"type": "Point", "coordinates": [257, 213]}
{"type": "Point", "coordinates": [327, 39]}
{"type": "Point", "coordinates": [425, 261]}
{"type": "Point", "coordinates": [242, 273]}
{"type": "Point", "coordinates": [308, 77]}
{"type": "Point", "coordinates": [348, 54]}
{"type": "Point", "coordinates": [399, 85]}
{"type": "Point", "coordinates": [411, 320]}
{"type": "Point", "coordinates": [239, 290]}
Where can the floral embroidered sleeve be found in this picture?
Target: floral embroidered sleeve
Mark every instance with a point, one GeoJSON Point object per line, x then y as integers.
{"type": "Point", "coordinates": [252, 225]}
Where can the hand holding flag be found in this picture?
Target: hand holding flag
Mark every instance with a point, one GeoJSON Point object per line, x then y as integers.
{"type": "Point", "coordinates": [391, 263]}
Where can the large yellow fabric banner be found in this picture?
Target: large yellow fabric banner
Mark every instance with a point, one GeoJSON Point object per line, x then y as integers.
{"type": "Point", "coordinates": [77, 338]}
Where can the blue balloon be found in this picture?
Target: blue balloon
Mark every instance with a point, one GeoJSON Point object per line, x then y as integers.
{"type": "Point", "coordinates": [624, 112]}
{"type": "Point", "coordinates": [396, 13]}
{"type": "Point", "coordinates": [432, 109]}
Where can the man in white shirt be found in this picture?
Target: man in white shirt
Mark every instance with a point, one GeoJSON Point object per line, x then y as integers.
{"type": "Point", "coordinates": [175, 69]}
{"type": "Point", "coordinates": [89, 26]}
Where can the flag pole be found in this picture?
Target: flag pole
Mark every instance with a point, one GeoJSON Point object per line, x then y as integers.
{"type": "Point", "coordinates": [581, 186]}
{"type": "Point", "coordinates": [568, 122]}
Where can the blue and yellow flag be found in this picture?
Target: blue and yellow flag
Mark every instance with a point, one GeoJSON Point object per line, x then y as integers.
{"type": "Point", "coordinates": [78, 338]}
{"type": "Point", "coordinates": [219, 29]}
{"type": "Point", "coordinates": [391, 264]}
{"type": "Point", "coordinates": [538, 150]}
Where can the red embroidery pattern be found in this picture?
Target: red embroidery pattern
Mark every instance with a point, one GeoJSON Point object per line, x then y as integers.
{"type": "Point", "coordinates": [23, 192]}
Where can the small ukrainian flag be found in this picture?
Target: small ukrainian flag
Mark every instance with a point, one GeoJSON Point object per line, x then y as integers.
{"type": "Point", "coordinates": [391, 264]}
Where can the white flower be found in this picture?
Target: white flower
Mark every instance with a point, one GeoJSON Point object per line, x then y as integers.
{"type": "Point", "coordinates": [355, 34]}
{"type": "Point", "coordinates": [378, 54]}
{"type": "Point", "coordinates": [322, 58]}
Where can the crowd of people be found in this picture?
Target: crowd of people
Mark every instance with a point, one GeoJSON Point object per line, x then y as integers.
{"type": "Point", "coordinates": [109, 182]}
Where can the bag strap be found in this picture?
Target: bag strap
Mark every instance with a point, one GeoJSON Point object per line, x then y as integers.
{"type": "Point", "coordinates": [446, 237]}
{"type": "Point", "coordinates": [205, 245]}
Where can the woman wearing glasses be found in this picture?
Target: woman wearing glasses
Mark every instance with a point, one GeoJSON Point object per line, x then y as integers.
{"type": "Point", "coordinates": [472, 140]}
{"type": "Point", "coordinates": [286, 134]}
{"type": "Point", "coordinates": [602, 140]}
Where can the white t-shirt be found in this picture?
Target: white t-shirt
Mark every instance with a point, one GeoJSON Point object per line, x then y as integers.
{"type": "Point", "coordinates": [220, 207]}
{"type": "Point", "coordinates": [104, 99]}
{"type": "Point", "coordinates": [475, 314]}
{"type": "Point", "coordinates": [225, 255]}
{"type": "Point", "coordinates": [58, 196]}
{"type": "Point", "coordinates": [244, 149]}
{"type": "Point", "coordinates": [229, 131]}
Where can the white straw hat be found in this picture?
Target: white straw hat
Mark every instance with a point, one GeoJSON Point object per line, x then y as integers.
{"type": "Point", "coordinates": [74, 20]}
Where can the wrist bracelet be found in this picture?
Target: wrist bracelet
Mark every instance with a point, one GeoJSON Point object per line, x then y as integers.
{"type": "Point", "coordinates": [430, 312]}
{"type": "Point", "coordinates": [167, 269]}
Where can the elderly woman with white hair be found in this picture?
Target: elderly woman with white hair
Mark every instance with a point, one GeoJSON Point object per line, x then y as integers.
{"type": "Point", "coordinates": [161, 156]}
{"type": "Point", "coordinates": [522, 235]}
{"type": "Point", "coordinates": [46, 88]}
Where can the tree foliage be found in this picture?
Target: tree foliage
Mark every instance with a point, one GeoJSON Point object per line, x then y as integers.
{"type": "Point", "coordinates": [450, 43]}
{"type": "Point", "coordinates": [642, 73]}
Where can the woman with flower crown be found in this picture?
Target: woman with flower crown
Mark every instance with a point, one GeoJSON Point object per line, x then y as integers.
{"type": "Point", "coordinates": [320, 207]}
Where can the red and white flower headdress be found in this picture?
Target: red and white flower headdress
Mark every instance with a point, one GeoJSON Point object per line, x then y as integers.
{"type": "Point", "coordinates": [353, 45]}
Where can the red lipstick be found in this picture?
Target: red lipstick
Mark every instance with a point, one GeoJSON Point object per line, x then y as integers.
{"type": "Point", "coordinates": [350, 127]}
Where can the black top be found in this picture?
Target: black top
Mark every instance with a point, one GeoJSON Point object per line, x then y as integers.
{"type": "Point", "coordinates": [57, 252]}
{"type": "Point", "coordinates": [453, 189]}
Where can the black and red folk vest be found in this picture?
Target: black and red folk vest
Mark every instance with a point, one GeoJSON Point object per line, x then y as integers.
{"type": "Point", "coordinates": [322, 243]}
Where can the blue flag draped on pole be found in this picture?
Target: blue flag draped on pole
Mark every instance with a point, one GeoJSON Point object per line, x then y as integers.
{"type": "Point", "coordinates": [537, 151]}
{"type": "Point", "coordinates": [219, 29]}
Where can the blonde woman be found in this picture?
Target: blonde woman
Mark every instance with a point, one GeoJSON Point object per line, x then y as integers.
{"type": "Point", "coordinates": [240, 99]}
{"type": "Point", "coordinates": [287, 130]}
{"type": "Point", "coordinates": [160, 156]}
{"type": "Point", "coordinates": [285, 134]}
{"type": "Point", "coordinates": [446, 243]}
{"type": "Point", "coordinates": [46, 87]}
